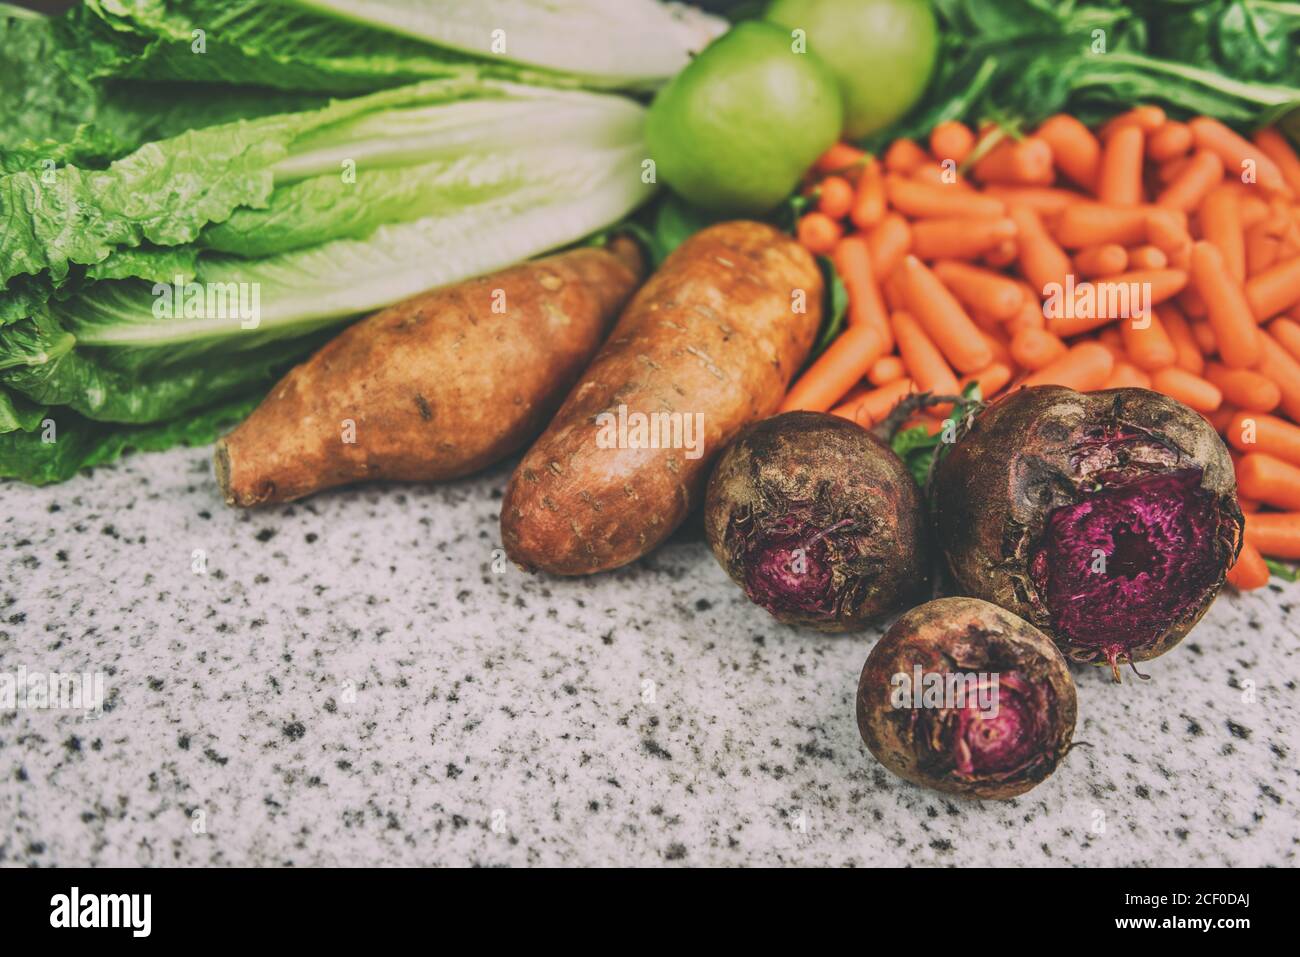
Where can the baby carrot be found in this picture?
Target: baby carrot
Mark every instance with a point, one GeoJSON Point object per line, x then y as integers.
{"type": "Point", "coordinates": [1126, 296]}
{"type": "Point", "coordinates": [1148, 344]}
{"type": "Point", "coordinates": [924, 201]}
{"type": "Point", "coordinates": [853, 264]}
{"type": "Point", "coordinates": [1203, 333]}
{"type": "Point", "coordinates": [1170, 170]}
{"type": "Point", "coordinates": [1191, 303]}
{"type": "Point", "coordinates": [1002, 255]}
{"type": "Point", "coordinates": [1272, 481]}
{"type": "Point", "coordinates": [1125, 375]}
{"type": "Point", "coordinates": [1146, 118]}
{"type": "Point", "coordinates": [1276, 148]}
{"type": "Point", "coordinates": [1085, 368]}
{"type": "Point", "coordinates": [838, 158]}
{"type": "Point", "coordinates": [1249, 572]}
{"type": "Point", "coordinates": [835, 197]}
{"type": "Point", "coordinates": [1190, 390]}
{"type": "Point", "coordinates": [1167, 231]}
{"type": "Point", "coordinates": [925, 363]}
{"type": "Point", "coordinates": [819, 233]}
{"type": "Point", "coordinates": [1075, 150]}
{"type": "Point", "coordinates": [1201, 173]}
{"type": "Point", "coordinates": [1239, 155]}
{"type": "Point", "coordinates": [1090, 224]}
{"type": "Point", "coordinates": [1260, 432]}
{"type": "Point", "coordinates": [951, 140]}
{"type": "Point", "coordinates": [1171, 141]}
{"type": "Point", "coordinates": [1112, 340]}
{"type": "Point", "coordinates": [1253, 207]}
{"type": "Point", "coordinates": [1107, 259]}
{"type": "Point", "coordinates": [998, 344]}
{"type": "Point", "coordinates": [903, 156]}
{"type": "Point", "coordinates": [1030, 315]}
{"type": "Point", "coordinates": [1035, 349]}
{"type": "Point", "coordinates": [1119, 181]}
{"type": "Point", "coordinates": [1275, 290]}
{"type": "Point", "coordinates": [1221, 418]}
{"type": "Point", "coordinates": [992, 379]}
{"type": "Point", "coordinates": [1229, 312]}
{"type": "Point", "coordinates": [1287, 333]}
{"type": "Point", "coordinates": [1284, 369]}
{"type": "Point", "coordinates": [959, 238]}
{"type": "Point", "coordinates": [936, 175]}
{"type": "Point", "coordinates": [845, 361]}
{"type": "Point", "coordinates": [869, 205]}
{"type": "Point", "coordinates": [1275, 534]}
{"type": "Point", "coordinates": [1042, 262]}
{"type": "Point", "coordinates": [981, 290]}
{"type": "Point", "coordinates": [943, 317]}
{"type": "Point", "coordinates": [1045, 200]}
{"type": "Point", "coordinates": [885, 370]}
{"type": "Point", "coordinates": [876, 404]}
{"type": "Point", "coordinates": [1148, 256]}
{"type": "Point", "coordinates": [1221, 224]}
{"type": "Point", "coordinates": [893, 290]}
{"type": "Point", "coordinates": [1263, 245]}
{"type": "Point", "coordinates": [1026, 162]}
{"type": "Point", "coordinates": [1244, 388]}
{"type": "Point", "coordinates": [888, 243]}
{"type": "Point", "coordinates": [1180, 334]}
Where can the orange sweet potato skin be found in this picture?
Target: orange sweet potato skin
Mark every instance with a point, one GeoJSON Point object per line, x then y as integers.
{"type": "Point", "coordinates": [720, 329]}
{"type": "Point", "coordinates": [436, 387]}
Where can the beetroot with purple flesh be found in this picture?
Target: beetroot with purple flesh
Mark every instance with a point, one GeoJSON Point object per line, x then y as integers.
{"type": "Point", "coordinates": [819, 521]}
{"type": "Point", "coordinates": [1005, 719]}
{"type": "Point", "coordinates": [1107, 519]}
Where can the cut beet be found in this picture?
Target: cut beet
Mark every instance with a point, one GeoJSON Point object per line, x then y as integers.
{"type": "Point", "coordinates": [961, 696]}
{"type": "Point", "coordinates": [1008, 743]}
{"type": "Point", "coordinates": [1120, 568]}
{"type": "Point", "coordinates": [819, 521]}
{"type": "Point", "coordinates": [1108, 520]}
{"type": "Point", "coordinates": [791, 571]}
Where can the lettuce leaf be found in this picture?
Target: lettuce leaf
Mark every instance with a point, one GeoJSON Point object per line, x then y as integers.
{"type": "Point", "coordinates": [165, 192]}
{"type": "Point", "coordinates": [363, 45]}
{"type": "Point", "coordinates": [629, 44]}
{"type": "Point", "coordinates": [322, 216]}
{"type": "Point", "coordinates": [80, 443]}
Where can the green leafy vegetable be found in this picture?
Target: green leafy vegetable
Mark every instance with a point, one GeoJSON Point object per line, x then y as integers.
{"type": "Point", "coordinates": [350, 46]}
{"type": "Point", "coordinates": [835, 309]}
{"type": "Point", "coordinates": [191, 273]}
{"type": "Point", "coordinates": [1023, 60]}
{"type": "Point", "coordinates": [1283, 570]}
{"type": "Point", "coordinates": [632, 43]}
{"type": "Point", "coordinates": [76, 443]}
{"type": "Point", "coordinates": [919, 450]}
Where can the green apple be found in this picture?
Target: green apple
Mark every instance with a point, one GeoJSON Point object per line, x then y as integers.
{"type": "Point", "coordinates": [735, 131]}
{"type": "Point", "coordinates": [881, 51]}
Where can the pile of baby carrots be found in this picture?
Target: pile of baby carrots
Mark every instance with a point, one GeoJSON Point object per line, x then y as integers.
{"type": "Point", "coordinates": [950, 256]}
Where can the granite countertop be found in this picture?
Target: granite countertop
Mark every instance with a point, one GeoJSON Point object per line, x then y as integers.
{"type": "Point", "coordinates": [361, 679]}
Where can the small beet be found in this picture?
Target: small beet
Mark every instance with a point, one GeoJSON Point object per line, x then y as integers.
{"type": "Point", "coordinates": [819, 521]}
{"type": "Point", "coordinates": [1108, 520]}
{"type": "Point", "coordinates": [964, 697]}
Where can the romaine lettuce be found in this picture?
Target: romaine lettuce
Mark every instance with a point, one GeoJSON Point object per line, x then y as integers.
{"type": "Point", "coordinates": [323, 215]}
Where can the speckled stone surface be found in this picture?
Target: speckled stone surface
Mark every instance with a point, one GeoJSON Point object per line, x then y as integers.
{"type": "Point", "coordinates": [360, 679]}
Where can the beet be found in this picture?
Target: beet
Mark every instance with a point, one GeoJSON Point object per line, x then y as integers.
{"type": "Point", "coordinates": [819, 521]}
{"type": "Point", "coordinates": [1108, 519]}
{"type": "Point", "coordinates": [992, 713]}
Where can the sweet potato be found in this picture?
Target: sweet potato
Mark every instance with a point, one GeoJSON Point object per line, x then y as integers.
{"type": "Point", "coordinates": [433, 388]}
{"type": "Point", "coordinates": [712, 340]}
